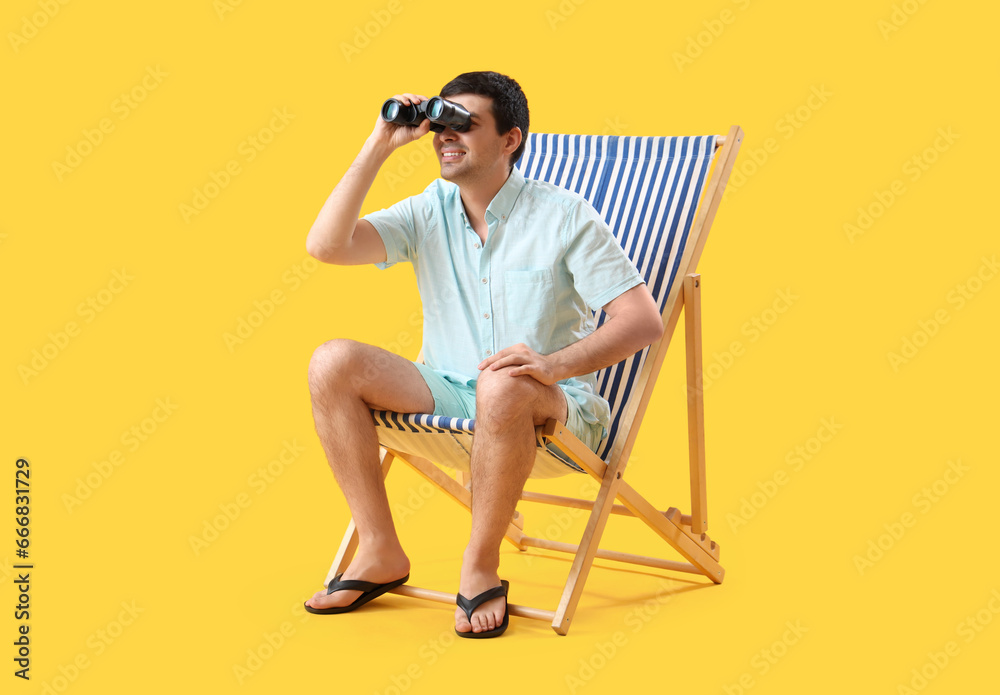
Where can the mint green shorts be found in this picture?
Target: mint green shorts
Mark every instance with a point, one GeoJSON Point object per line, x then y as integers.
{"type": "Point", "coordinates": [458, 399]}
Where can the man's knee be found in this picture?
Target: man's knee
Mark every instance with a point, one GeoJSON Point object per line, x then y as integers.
{"type": "Point", "coordinates": [340, 363]}
{"type": "Point", "coordinates": [501, 396]}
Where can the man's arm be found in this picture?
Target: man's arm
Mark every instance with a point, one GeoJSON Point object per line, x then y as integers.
{"type": "Point", "coordinates": [633, 323]}
{"type": "Point", "coordinates": [338, 236]}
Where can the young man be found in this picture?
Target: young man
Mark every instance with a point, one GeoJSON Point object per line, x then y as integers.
{"type": "Point", "coordinates": [508, 271]}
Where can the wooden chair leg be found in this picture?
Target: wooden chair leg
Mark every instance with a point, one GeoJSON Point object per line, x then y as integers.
{"type": "Point", "coordinates": [675, 535]}
{"type": "Point", "coordinates": [587, 550]}
{"type": "Point", "coordinates": [695, 402]}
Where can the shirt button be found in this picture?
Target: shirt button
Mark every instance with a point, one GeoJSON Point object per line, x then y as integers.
{"type": "Point", "coordinates": [485, 281]}
{"type": "Point", "coordinates": [489, 352]}
{"type": "Point", "coordinates": [486, 316]}
{"type": "Point", "coordinates": [476, 245]}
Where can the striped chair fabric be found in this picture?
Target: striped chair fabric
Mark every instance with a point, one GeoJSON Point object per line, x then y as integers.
{"type": "Point", "coordinates": [647, 189]}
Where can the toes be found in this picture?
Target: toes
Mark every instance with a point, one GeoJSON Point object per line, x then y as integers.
{"type": "Point", "coordinates": [314, 601]}
{"type": "Point", "coordinates": [486, 617]}
{"type": "Point", "coordinates": [462, 623]}
{"type": "Point", "coordinates": [337, 598]}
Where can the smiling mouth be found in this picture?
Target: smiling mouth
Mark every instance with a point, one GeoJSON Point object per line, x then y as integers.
{"type": "Point", "coordinates": [451, 156]}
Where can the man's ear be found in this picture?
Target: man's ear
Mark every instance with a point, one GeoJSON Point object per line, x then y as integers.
{"type": "Point", "coordinates": [514, 137]}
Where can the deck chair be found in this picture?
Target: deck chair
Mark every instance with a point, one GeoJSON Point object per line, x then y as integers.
{"type": "Point", "coordinates": [659, 195]}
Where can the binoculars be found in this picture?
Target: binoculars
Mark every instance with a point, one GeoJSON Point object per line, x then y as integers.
{"type": "Point", "coordinates": [441, 112]}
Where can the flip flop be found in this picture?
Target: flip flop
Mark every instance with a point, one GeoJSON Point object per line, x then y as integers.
{"type": "Point", "coordinates": [370, 590]}
{"type": "Point", "coordinates": [470, 606]}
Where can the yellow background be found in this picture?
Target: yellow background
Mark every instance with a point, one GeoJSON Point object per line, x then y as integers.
{"type": "Point", "coordinates": [889, 88]}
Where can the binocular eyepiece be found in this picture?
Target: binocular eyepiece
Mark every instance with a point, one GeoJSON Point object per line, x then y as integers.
{"type": "Point", "coordinates": [441, 112]}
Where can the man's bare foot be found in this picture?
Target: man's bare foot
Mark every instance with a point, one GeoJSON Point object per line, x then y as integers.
{"type": "Point", "coordinates": [488, 615]}
{"type": "Point", "coordinates": [380, 568]}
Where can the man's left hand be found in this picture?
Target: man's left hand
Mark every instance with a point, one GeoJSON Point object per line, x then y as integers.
{"type": "Point", "coordinates": [523, 361]}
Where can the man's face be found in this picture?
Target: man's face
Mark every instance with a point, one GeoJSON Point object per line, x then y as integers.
{"type": "Point", "coordinates": [478, 152]}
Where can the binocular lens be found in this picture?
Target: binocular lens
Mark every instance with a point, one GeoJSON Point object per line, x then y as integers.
{"type": "Point", "coordinates": [447, 114]}
{"type": "Point", "coordinates": [395, 111]}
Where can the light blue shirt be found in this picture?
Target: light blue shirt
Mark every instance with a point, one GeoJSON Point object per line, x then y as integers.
{"type": "Point", "coordinates": [548, 263]}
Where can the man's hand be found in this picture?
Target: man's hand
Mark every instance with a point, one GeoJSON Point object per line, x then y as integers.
{"type": "Point", "coordinates": [392, 135]}
{"type": "Point", "coordinates": [633, 323]}
{"type": "Point", "coordinates": [524, 362]}
{"type": "Point", "coordinates": [338, 235]}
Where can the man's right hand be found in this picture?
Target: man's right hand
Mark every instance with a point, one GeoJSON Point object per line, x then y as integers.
{"type": "Point", "coordinates": [388, 136]}
{"type": "Point", "coordinates": [338, 235]}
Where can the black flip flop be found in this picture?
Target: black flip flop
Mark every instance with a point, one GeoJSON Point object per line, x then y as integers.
{"type": "Point", "coordinates": [371, 590]}
{"type": "Point", "coordinates": [470, 606]}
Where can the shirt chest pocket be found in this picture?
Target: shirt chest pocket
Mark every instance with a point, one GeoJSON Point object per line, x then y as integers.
{"type": "Point", "coordinates": [529, 296]}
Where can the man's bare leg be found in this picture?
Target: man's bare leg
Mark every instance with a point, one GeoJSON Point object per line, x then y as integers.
{"type": "Point", "coordinates": [346, 378]}
{"type": "Point", "coordinates": [503, 452]}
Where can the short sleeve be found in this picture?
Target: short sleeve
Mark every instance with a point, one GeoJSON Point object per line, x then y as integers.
{"type": "Point", "coordinates": [601, 269]}
{"type": "Point", "coordinates": [399, 226]}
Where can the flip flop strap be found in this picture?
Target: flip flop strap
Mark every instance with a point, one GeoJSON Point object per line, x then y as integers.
{"type": "Point", "coordinates": [470, 605]}
{"type": "Point", "coordinates": [349, 585]}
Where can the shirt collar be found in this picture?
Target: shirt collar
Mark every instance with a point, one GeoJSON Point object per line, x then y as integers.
{"type": "Point", "coordinates": [503, 201]}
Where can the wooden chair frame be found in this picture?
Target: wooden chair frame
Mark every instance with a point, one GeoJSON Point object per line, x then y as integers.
{"type": "Point", "coordinates": [687, 534]}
